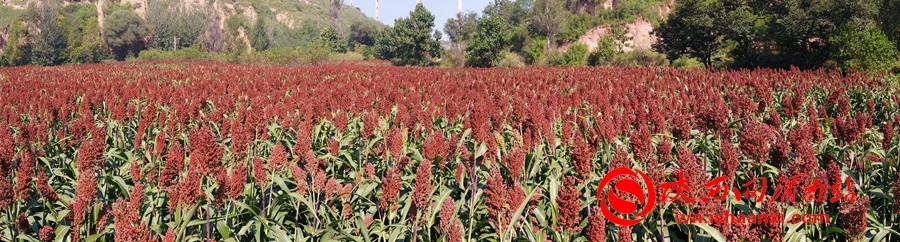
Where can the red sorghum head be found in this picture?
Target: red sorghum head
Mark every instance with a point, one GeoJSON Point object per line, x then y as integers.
{"type": "Point", "coordinates": [422, 189]}
{"type": "Point", "coordinates": [756, 141]}
{"type": "Point", "coordinates": [277, 158]}
{"type": "Point", "coordinates": [43, 187]}
{"type": "Point", "coordinates": [596, 228]}
{"type": "Point", "coordinates": [569, 202]}
{"type": "Point", "coordinates": [515, 163]}
{"type": "Point", "coordinates": [259, 172]}
{"type": "Point", "coordinates": [496, 197]}
{"type": "Point", "coordinates": [47, 233]}
{"type": "Point", "coordinates": [450, 224]}
{"type": "Point", "coordinates": [390, 189]}
{"type": "Point", "coordinates": [173, 166]}
{"type": "Point", "coordinates": [853, 216]}
{"type": "Point", "coordinates": [237, 179]}
{"type": "Point", "coordinates": [300, 177]}
{"type": "Point", "coordinates": [85, 192]}
{"type": "Point", "coordinates": [582, 157]}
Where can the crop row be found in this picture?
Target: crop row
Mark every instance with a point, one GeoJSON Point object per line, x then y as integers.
{"type": "Point", "coordinates": [204, 151]}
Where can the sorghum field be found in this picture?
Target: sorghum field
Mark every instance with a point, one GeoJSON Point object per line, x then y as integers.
{"type": "Point", "coordinates": [220, 152]}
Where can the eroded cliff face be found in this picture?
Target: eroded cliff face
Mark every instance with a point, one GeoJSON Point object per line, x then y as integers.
{"type": "Point", "coordinates": [638, 34]}
{"type": "Point", "coordinates": [222, 10]}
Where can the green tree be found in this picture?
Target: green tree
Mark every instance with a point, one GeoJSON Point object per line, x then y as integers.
{"type": "Point", "coordinates": [889, 18]}
{"type": "Point", "coordinates": [799, 28]}
{"type": "Point", "coordinates": [49, 45]}
{"type": "Point", "coordinates": [575, 56]}
{"type": "Point", "coordinates": [332, 41]}
{"type": "Point", "coordinates": [82, 30]}
{"type": "Point", "coordinates": [124, 32]}
{"type": "Point", "coordinates": [171, 27]}
{"type": "Point", "coordinates": [461, 28]}
{"type": "Point", "coordinates": [485, 47]}
{"type": "Point", "coordinates": [260, 35]}
{"type": "Point", "coordinates": [865, 47]}
{"type": "Point", "coordinates": [511, 12]}
{"type": "Point", "coordinates": [744, 29]}
{"type": "Point", "coordinates": [690, 30]}
{"type": "Point", "coordinates": [363, 33]}
{"type": "Point", "coordinates": [410, 41]}
{"type": "Point", "coordinates": [549, 17]}
{"type": "Point", "coordinates": [516, 18]}
{"type": "Point", "coordinates": [606, 48]}
{"type": "Point", "coordinates": [535, 52]}
{"type": "Point", "coordinates": [17, 49]}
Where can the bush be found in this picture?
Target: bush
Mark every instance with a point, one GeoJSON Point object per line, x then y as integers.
{"type": "Point", "coordinates": [536, 51]}
{"type": "Point", "coordinates": [687, 62]}
{"type": "Point", "coordinates": [186, 54]}
{"type": "Point", "coordinates": [576, 56]}
{"type": "Point", "coordinates": [453, 57]}
{"type": "Point", "coordinates": [314, 54]}
{"type": "Point", "coordinates": [510, 59]}
{"type": "Point", "coordinates": [640, 58]}
{"type": "Point", "coordinates": [606, 48]}
{"type": "Point", "coordinates": [864, 48]}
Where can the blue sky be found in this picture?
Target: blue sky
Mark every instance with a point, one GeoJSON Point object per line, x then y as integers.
{"type": "Point", "coordinates": [394, 9]}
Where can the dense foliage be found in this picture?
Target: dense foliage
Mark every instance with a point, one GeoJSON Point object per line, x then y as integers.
{"type": "Point", "coordinates": [485, 47]}
{"type": "Point", "coordinates": [124, 33]}
{"type": "Point", "coordinates": [171, 27]}
{"type": "Point", "coordinates": [799, 33]}
{"type": "Point", "coordinates": [577, 55]}
{"type": "Point", "coordinates": [194, 151]}
{"type": "Point", "coordinates": [50, 43]}
{"type": "Point", "coordinates": [51, 33]}
{"type": "Point", "coordinates": [410, 41]}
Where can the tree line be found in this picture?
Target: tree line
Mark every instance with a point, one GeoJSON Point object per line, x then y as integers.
{"type": "Point", "coordinates": [522, 32]}
{"type": "Point", "coordinates": [50, 34]}
{"type": "Point", "coordinates": [784, 33]}
{"type": "Point", "coordinates": [804, 34]}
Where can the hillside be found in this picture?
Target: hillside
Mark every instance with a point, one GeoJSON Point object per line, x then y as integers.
{"type": "Point", "coordinates": [290, 13]}
{"type": "Point", "coordinates": [635, 18]}
{"type": "Point", "coordinates": [289, 22]}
